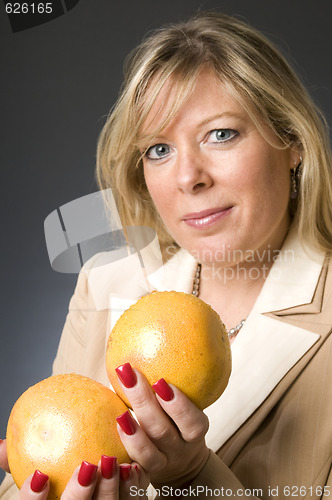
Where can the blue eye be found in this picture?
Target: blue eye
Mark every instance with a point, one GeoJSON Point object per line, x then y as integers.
{"type": "Point", "coordinates": [222, 135]}
{"type": "Point", "coordinates": [158, 151]}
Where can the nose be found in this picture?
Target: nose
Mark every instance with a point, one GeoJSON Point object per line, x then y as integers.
{"type": "Point", "coordinates": [192, 173]}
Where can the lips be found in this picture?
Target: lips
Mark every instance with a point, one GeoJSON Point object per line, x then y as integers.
{"type": "Point", "coordinates": [206, 218]}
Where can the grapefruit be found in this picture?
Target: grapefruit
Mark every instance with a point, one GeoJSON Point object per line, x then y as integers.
{"type": "Point", "coordinates": [58, 423]}
{"type": "Point", "coordinates": [175, 336]}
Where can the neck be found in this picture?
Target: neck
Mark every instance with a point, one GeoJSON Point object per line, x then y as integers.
{"type": "Point", "coordinates": [232, 291]}
{"type": "Point", "coordinates": [240, 276]}
{"type": "Point", "coordinates": [232, 287]}
{"type": "Point", "coordinates": [242, 272]}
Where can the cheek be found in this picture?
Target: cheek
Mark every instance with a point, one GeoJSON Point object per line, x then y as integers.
{"type": "Point", "coordinates": [280, 179]}
{"type": "Point", "coordinates": [265, 184]}
{"type": "Point", "coordinates": [268, 171]}
{"type": "Point", "coordinates": [151, 186]}
{"type": "Point", "coordinates": [158, 191]}
{"type": "Point", "coordinates": [275, 191]}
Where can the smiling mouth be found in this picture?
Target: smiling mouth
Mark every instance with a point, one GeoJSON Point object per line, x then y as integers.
{"type": "Point", "coordinates": [206, 218]}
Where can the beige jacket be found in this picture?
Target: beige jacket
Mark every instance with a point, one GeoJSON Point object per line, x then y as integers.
{"type": "Point", "coordinates": [271, 431]}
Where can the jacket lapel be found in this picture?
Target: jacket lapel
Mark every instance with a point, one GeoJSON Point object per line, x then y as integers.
{"type": "Point", "coordinates": [265, 350]}
{"type": "Point", "coordinates": [141, 274]}
{"type": "Point", "coordinates": [268, 346]}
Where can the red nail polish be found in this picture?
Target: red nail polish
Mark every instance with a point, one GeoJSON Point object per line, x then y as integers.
{"type": "Point", "coordinates": [127, 375]}
{"type": "Point", "coordinates": [163, 390]}
{"type": "Point", "coordinates": [108, 465]}
{"type": "Point", "coordinates": [125, 471]}
{"type": "Point", "coordinates": [137, 470]}
{"type": "Point", "coordinates": [126, 423]}
{"type": "Point", "coordinates": [38, 481]}
{"type": "Point", "coordinates": [86, 473]}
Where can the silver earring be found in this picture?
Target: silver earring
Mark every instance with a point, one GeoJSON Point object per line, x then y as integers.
{"type": "Point", "coordinates": [295, 175]}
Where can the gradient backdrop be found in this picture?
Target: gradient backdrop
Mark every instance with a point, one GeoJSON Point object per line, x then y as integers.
{"type": "Point", "coordinates": [58, 81]}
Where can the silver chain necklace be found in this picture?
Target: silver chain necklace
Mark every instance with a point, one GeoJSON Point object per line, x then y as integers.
{"type": "Point", "coordinates": [233, 331]}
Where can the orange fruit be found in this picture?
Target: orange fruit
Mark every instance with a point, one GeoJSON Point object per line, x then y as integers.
{"type": "Point", "coordinates": [175, 336]}
{"type": "Point", "coordinates": [58, 423]}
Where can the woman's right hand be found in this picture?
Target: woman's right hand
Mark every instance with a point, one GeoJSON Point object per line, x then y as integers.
{"type": "Point", "coordinates": [107, 481]}
{"type": "Point", "coordinates": [91, 481]}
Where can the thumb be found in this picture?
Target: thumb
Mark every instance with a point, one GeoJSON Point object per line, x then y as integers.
{"type": "Point", "coordinates": [3, 455]}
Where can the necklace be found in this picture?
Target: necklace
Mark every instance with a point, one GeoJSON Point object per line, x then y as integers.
{"type": "Point", "coordinates": [233, 331]}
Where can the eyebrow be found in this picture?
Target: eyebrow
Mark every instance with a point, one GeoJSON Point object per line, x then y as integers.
{"type": "Point", "coordinates": [226, 114]}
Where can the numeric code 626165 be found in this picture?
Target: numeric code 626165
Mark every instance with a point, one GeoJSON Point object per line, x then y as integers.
{"type": "Point", "coordinates": [29, 8]}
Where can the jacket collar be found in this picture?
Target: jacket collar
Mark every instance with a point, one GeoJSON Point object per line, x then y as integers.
{"type": "Point", "coordinates": [177, 274]}
{"type": "Point", "coordinates": [292, 279]}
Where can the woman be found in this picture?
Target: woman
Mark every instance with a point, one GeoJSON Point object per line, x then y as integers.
{"type": "Point", "coordinates": [215, 144]}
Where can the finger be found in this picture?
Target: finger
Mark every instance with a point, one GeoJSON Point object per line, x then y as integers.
{"type": "Point", "coordinates": [35, 487]}
{"type": "Point", "coordinates": [108, 484]}
{"type": "Point", "coordinates": [123, 481]}
{"type": "Point", "coordinates": [142, 475]}
{"type": "Point", "coordinates": [192, 423]}
{"type": "Point", "coordinates": [154, 418]}
{"type": "Point", "coordinates": [151, 417]}
{"type": "Point", "coordinates": [138, 445]}
{"type": "Point", "coordinates": [82, 484]}
{"type": "Point", "coordinates": [3, 455]}
{"type": "Point", "coordinates": [129, 482]}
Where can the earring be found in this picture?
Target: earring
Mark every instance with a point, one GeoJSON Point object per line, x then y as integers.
{"type": "Point", "coordinates": [293, 194]}
{"type": "Point", "coordinates": [295, 175]}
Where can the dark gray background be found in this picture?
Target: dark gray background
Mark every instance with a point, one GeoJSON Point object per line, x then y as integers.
{"type": "Point", "coordinates": [58, 81]}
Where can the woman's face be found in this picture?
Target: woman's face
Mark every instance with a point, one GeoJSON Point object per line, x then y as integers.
{"type": "Point", "coordinates": [220, 188]}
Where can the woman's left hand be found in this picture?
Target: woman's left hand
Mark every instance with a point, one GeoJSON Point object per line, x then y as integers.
{"type": "Point", "coordinates": [3, 455]}
{"type": "Point", "coordinates": [169, 439]}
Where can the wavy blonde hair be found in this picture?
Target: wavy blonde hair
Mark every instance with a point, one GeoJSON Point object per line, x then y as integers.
{"type": "Point", "coordinates": [256, 74]}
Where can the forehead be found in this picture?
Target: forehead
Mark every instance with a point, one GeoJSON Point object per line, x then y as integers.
{"type": "Point", "coordinates": [205, 98]}
{"type": "Point", "coordinates": [177, 100]}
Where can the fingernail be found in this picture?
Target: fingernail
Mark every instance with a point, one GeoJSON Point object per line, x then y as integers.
{"type": "Point", "coordinates": [137, 469]}
{"type": "Point", "coordinates": [38, 481]}
{"type": "Point", "coordinates": [126, 423]}
{"type": "Point", "coordinates": [125, 471]}
{"type": "Point", "coordinates": [86, 473]}
{"type": "Point", "coordinates": [127, 375]}
{"type": "Point", "coordinates": [163, 390]}
{"type": "Point", "coordinates": [108, 465]}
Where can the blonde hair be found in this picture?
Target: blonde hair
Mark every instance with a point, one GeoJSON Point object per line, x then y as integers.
{"type": "Point", "coordinates": [256, 74]}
